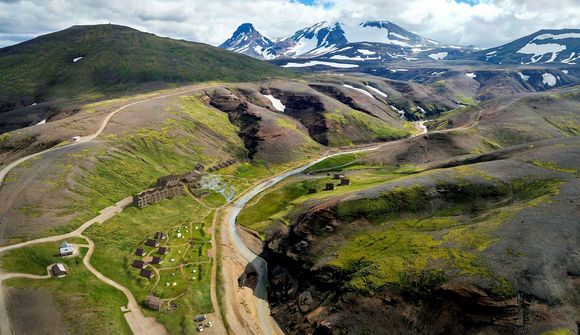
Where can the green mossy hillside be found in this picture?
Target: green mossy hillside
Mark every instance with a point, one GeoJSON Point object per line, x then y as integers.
{"type": "Point", "coordinates": [420, 236]}
{"type": "Point", "coordinates": [114, 59]}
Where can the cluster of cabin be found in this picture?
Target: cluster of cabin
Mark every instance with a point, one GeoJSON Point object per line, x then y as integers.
{"type": "Point", "coordinates": [221, 165]}
{"type": "Point", "coordinates": [141, 264]}
{"type": "Point", "coordinates": [342, 181]}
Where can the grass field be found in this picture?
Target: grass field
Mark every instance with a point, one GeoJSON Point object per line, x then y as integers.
{"type": "Point", "coordinates": [337, 163]}
{"type": "Point", "coordinates": [33, 259]}
{"type": "Point", "coordinates": [87, 305]}
{"type": "Point", "coordinates": [279, 203]}
{"type": "Point", "coordinates": [117, 239]}
{"type": "Point", "coordinates": [367, 128]}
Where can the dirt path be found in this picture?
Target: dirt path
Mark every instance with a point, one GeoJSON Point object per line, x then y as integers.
{"type": "Point", "coordinates": [4, 172]}
{"type": "Point", "coordinates": [138, 323]}
{"type": "Point", "coordinates": [105, 214]}
{"type": "Point", "coordinates": [219, 326]}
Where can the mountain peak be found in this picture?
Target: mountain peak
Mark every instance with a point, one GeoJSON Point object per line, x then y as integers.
{"type": "Point", "coordinates": [245, 28]}
{"type": "Point", "coordinates": [248, 41]}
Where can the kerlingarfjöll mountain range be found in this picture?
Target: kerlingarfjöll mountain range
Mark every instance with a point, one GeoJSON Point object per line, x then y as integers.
{"type": "Point", "coordinates": [380, 41]}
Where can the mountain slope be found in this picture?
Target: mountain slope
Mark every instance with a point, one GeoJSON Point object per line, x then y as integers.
{"type": "Point", "coordinates": [248, 41]}
{"type": "Point", "coordinates": [544, 46]}
{"type": "Point", "coordinates": [96, 60]}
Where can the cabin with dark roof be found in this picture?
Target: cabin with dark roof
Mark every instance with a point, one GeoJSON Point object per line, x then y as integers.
{"type": "Point", "coordinates": [163, 251]}
{"type": "Point", "coordinates": [147, 273]}
{"type": "Point", "coordinates": [140, 252]}
{"type": "Point", "coordinates": [156, 260]}
{"type": "Point", "coordinates": [160, 235]}
{"type": "Point", "coordinates": [137, 264]}
{"type": "Point", "coordinates": [153, 302]}
{"type": "Point", "coordinates": [344, 182]}
{"type": "Point", "coordinates": [58, 270]}
{"type": "Point", "coordinates": [152, 243]}
{"type": "Point", "coordinates": [329, 186]}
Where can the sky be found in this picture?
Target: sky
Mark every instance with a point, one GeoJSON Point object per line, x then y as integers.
{"type": "Point", "coordinates": [483, 23]}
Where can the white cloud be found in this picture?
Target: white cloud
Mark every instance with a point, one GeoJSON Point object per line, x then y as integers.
{"type": "Point", "coordinates": [487, 23]}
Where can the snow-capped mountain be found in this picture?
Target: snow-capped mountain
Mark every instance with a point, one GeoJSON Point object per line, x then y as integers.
{"type": "Point", "coordinates": [544, 46]}
{"type": "Point", "coordinates": [382, 39]}
{"type": "Point", "coordinates": [248, 41]}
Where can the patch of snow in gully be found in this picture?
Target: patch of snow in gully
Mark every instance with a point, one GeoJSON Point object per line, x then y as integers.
{"type": "Point", "coordinates": [278, 105]}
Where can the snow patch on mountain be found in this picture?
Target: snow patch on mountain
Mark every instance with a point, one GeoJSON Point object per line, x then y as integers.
{"type": "Point", "coordinates": [539, 50]}
{"type": "Point", "coordinates": [549, 79]}
{"type": "Point", "coordinates": [365, 52]}
{"type": "Point", "coordinates": [276, 103]}
{"type": "Point", "coordinates": [359, 90]}
{"type": "Point", "coordinates": [557, 36]}
{"type": "Point", "coordinates": [379, 92]}
{"type": "Point", "coordinates": [315, 62]}
{"type": "Point", "coordinates": [439, 55]}
{"type": "Point", "coordinates": [471, 75]}
{"type": "Point", "coordinates": [523, 76]}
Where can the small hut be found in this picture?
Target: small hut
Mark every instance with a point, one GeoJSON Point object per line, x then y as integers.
{"type": "Point", "coordinates": [137, 264]}
{"type": "Point", "coordinates": [58, 270]}
{"type": "Point", "coordinates": [160, 235]}
{"type": "Point", "coordinates": [153, 302]}
{"type": "Point", "coordinates": [140, 252]}
{"type": "Point", "coordinates": [163, 251]}
{"type": "Point", "coordinates": [147, 273]}
{"type": "Point", "coordinates": [152, 243]}
{"type": "Point", "coordinates": [156, 260]}
{"type": "Point", "coordinates": [329, 186]}
{"type": "Point", "coordinates": [344, 182]}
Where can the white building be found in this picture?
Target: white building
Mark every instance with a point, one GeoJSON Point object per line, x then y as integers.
{"type": "Point", "coordinates": [66, 249]}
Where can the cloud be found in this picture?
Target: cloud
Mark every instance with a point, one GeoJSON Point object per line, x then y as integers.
{"type": "Point", "coordinates": [483, 22]}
